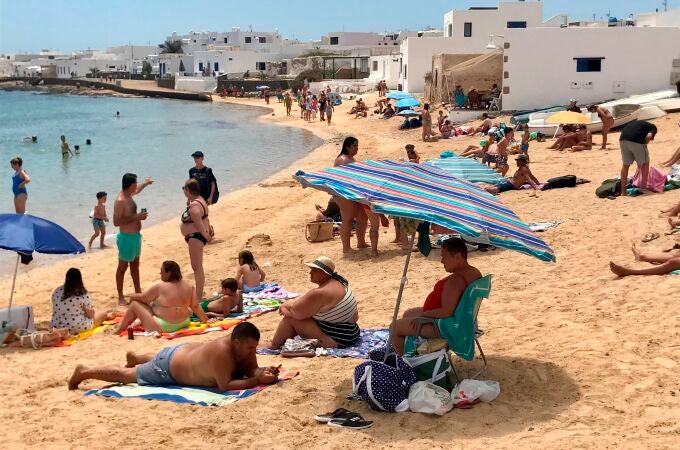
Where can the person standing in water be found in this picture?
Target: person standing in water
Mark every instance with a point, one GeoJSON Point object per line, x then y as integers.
{"type": "Point", "coordinates": [19, 181]}
{"type": "Point", "coordinates": [65, 149]}
{"type": "Point", "coordinates": [129, 238]}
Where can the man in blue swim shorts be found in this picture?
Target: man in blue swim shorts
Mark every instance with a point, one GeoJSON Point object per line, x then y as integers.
{"type": "Point", "coordinates": [228, 363]}
{"type": "Point", "coordinates": [129, 238]}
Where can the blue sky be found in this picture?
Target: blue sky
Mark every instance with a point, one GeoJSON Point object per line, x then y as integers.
{"type": "Point", "coordinates": [68, 25]}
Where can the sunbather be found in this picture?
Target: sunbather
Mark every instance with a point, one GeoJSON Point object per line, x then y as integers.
{"type": "Point", "coordinates": [166, 307]}
{"type": "Point", "coordinates": [584, 140]}
{"type": "Point", "coordinates": [673, 159]}
{"type": "Point", "coordinates": [227, 363]}
{"type": "Point", "coordinates": [522, 176]}
{"type": "Point", "coordinates": [664, 263]}
{"type": "Point", "coordinates": [72, 307]}
{"type": "Point", "coordinates": [249, 275]}
{"type": "Point", "coordinates": [472, 151]}
{"type": "Point", "coordinates": [230, 301]}
{"type": "Point", "coordinates": [485, 126]}
{"type": "Point", "coordinates": [443, 300]}
{"type": "Point", "coordinates": [328, 313]}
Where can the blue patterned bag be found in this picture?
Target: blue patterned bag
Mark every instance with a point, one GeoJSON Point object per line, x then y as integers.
{"type": "Point", "coordinates": [383, 385]}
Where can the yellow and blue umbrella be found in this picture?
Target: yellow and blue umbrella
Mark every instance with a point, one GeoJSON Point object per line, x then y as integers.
{"type": "Point", "coordinates": [466, 168]}
{"type": "Point", "coordinates": [427, 193]}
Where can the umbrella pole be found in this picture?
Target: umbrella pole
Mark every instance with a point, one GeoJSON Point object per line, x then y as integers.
{"type": "Point", "coordinates": [402, 284]}
{"type": "Point", "coordinates": [556, 130]}
{"type": "Point", "coordinates": [11, 293]}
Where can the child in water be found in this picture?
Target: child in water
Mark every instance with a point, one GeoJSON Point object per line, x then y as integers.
{"type": "Point", "coordinates": [249, 275]}
{"type": "Point", "coordinates": [231, 298]}
{"type": "Point", "coordinates": [98, 220]}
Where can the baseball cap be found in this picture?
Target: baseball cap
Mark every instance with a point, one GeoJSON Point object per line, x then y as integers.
{"type": "Point", "coordinates": [323, 263]}
{"type": "Point", "coordinates": [197, 154]}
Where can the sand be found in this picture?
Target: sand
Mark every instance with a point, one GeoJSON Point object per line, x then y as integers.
{"type": "Point", "coordinates": [584, 359]}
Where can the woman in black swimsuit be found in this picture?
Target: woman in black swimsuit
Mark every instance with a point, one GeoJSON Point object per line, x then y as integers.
{"type": "Point", "coordinates": [195, 228]}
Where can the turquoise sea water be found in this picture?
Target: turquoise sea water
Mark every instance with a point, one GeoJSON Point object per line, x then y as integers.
{"type": "Point", "coordinates": [152, 137]}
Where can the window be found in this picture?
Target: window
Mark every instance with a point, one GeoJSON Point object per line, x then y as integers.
{"type": "Point", "coordinates": [200, 67]}
{"type": "Point", "coordinates": [450, 30]}
{"type": "Point", "coordinates": [589, 64]}
{"type": "Point", "coordinates": [517, 24]}
{"type": "Point", "coordinates": [375, 66]}
{"type": "Point", "coordinates": [334, 40]}
{"type": "Point", "coordinates": [226, 40]}
{"type": "Point", "coordinates": [405, 70]}
{"type": "Point", "coordinates": [262, 40]}
{"type": "Point", "coordinates": [249, 39]}
{"type": "Point", "coordinates": [260, 66]}
{"type": "Point", "coordinates": [231, 59]}
{"type": "Point", "coordinates": [467, 29]}
{"type": "Point", "coordinates": [216, 67]}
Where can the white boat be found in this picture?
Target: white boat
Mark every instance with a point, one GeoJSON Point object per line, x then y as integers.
{"type": "Point", "coordinates": [650, 111]}
{"type": "Point", "coordinates": [669, 104]}
{"type": "Point", "coordinates": [622, 113]}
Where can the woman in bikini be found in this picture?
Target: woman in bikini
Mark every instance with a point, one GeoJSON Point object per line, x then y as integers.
{"type": "Point", "coordinates": [607, 122]}
{"type": "Point", "coordinates": [195, 228]}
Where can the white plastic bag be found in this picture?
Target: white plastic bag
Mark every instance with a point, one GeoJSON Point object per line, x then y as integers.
{"type": "Point", "coordinates": [468, 391]}
{"type": "Point", "coordinates": [429, 398]}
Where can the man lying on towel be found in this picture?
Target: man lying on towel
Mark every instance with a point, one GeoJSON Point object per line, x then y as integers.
{"type": "Point", "coordinates": [522, 176]}
{"type": "Point", "coordinates": [228, 363]}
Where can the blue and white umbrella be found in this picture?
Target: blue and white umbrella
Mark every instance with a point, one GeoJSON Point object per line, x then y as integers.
{"type": "Point", "coordinates": [397, 95]}
{"type": "Point", "coordinates": [407, 103]}
{"type": "Point", "coordinates": [466, 168]}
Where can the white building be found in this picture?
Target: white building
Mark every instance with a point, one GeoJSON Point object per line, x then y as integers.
{"type": "Point", "coordinates": [385, 67]}
{"type": "Point", "coordinates": [670, 18]}
{"type": "Point", "coordinates": [234, 61]}
{"type": "Point", "coordinates": [467, 32]}
{"type": "Point", "coordinates": [597, 64]}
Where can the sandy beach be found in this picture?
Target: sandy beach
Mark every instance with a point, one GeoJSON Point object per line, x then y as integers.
{"type": "Point", "coordinates": [584, 360]}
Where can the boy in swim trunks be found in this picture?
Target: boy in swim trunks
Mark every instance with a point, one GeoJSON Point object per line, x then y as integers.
{"type": "Point", "coordinates": [228, 363]}
{"type": "Point", "coordinates": [98, 220]}
{"type": "Point", "coordinates": [231, 298]}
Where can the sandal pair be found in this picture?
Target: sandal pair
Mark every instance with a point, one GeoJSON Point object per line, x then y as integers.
{"type": "Point", "coordinates": [344, 418]}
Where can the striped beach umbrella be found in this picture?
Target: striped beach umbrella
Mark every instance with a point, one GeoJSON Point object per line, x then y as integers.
{"type": "Point", "coordinates": [427, 193]}
{"type": "Point", "coordinates": [466, 168]}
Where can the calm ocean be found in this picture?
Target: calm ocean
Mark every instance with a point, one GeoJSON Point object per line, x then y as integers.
{"type": "Point", "coordinates": [152, 137]}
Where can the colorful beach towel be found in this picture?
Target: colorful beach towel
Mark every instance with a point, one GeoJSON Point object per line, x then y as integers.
{"type": "Point", "coordinates": [184, 394]}
{"type": "Point", "coordinates": [370, 338]}
{"type": "Point", "coordinates": [194, 328]}
{"type": "Point", "coordinates": [86, 334]}
{"type": "Point", "coordinates": [675, 272]}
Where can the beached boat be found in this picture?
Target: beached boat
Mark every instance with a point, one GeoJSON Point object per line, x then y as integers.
{"type": "Point", "coordinates": [622, 115]}
{"type": "Point", "coordinates": [523, 117]}
{"type": "Point", "coordinates": [650, 111]}
{"type": "Point", "coordinates": [669, 104]}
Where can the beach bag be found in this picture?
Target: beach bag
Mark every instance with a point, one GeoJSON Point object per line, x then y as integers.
{"type": "Point", "coordinates": [562, 182]}
{"type": "Point", "coordinates": [383, 385]}
{"type": "Point", "coordinates": [608, 188]}
{"type": "Point", "coordinates": [319, 231]}
{"type": "Point", "coordinates": [432, 367]}
{"type": "Point", "coordinates": [216, 194]}
{"type": "Point", "coordinates": [428, 398]}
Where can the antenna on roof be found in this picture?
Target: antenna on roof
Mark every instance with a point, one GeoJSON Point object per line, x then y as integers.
{"type": "Point", "coordinates": [665, 5]}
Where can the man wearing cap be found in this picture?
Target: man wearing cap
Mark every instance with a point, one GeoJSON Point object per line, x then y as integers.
{"type": "Point", "coordinates": [328, 313]}
{"type": "Point", "coordinates": [206, 180]}
{"type": "Point", "coordinates": [522, 176]}
{"type": "Point", "coordinates": [573, 107]}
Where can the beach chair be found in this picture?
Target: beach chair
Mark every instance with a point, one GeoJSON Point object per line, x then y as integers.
{"type": "Point", "coordinates": [460, 332]}
{"type": "Point", "coordinates": [495, 103]}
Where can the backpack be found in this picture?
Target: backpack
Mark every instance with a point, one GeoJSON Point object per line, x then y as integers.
{"type": "Point", "coordinates": [608, 188]}
{"type": "Point", "coordinates": [216, 194]}
{"type": "Point", "coordinates": [383, 385]}
{"type": "Point", "coordinates": [562, 182]}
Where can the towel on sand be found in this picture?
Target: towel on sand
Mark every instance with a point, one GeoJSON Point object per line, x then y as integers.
{"type": "Point", "coordinates": [370, 338]}
{"type": "Point", "coordinates": [86, 334]}
{"type": "Point", "coordinates": [184, 394]}
{"type": "Point", "coordinates": [543, 226]}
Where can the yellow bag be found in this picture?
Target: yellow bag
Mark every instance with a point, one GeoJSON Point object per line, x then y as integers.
{"type": "Point", "coordinates": [319, 231]}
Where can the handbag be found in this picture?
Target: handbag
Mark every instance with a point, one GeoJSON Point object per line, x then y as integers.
{"type": "Point", "coordinates": [384, 385]}
{"type": "Point", "coordinates": [319, 231]}
{"type": "Point", "coordinates": [433, 368]}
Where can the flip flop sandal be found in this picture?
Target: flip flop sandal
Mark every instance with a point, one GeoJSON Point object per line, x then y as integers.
{"type": "Point", "coordinates": [340, 413]}
{"type": "Point", "coordinates": [355, 422]}
{"type": "Point", "coordinates": [650, 237]}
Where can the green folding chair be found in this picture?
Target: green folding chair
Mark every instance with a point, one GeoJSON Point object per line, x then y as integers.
{"type": "Point", "coordinates": [460, 331]}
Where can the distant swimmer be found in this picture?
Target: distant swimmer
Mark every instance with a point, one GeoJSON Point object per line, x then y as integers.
{"type": "Point", "coordinates": [65, 149]}
{"type": "Point", "coordinates": [117, 114]}
{"type": "Point", "coordinates": [31, 139]}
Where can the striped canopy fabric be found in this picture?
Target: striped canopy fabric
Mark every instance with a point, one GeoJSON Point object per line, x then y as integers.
{"type": "Point", "coordinates": [418, 191]}
{"type": "Point", "coordinates": [466, 168]}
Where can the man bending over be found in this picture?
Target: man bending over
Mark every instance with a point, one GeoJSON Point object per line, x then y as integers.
{"type": "Point", "coordinates": [228, 363]}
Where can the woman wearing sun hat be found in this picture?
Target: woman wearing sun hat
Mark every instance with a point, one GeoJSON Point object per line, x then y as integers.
{"type": "Point", "coordinates": [328, 312]}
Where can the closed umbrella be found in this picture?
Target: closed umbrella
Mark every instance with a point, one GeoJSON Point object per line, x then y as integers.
{"type": "Point", "coordinates": [397, 95]}
{"type": "Point", "coordinates": [426, 193]}
{"type": "Point", "coordinates": [25, 234]}
{"type": "Point", "coordinates": [407, 103]}
{"type": "Point", "coordinates": [466, 168]}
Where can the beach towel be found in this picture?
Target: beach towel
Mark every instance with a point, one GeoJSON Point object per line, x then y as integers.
{"type": "Point", "coordinates": [193, 329]}
{"type": "Point", "coordinates": [369, 339]}
{"type": "Point", "coordinates": [538, 227]}
{"type": "Point", "coordinates": [675, 272]}
{"type": "Point", "coordinates": [655, 181]}
{"type": "Point", "coordinates": [86, 334]}
{"type": "Point", "coordinates": [184, 394]}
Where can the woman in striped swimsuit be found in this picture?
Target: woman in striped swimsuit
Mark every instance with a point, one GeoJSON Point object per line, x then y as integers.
{"type": "Point", "coordinates": [328, 313]}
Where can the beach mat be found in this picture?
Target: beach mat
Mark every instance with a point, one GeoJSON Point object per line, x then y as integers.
{"type": "Point", "coordinates": [184, 394]}
{"type": "Point", "coordinates": [538, 227]}
{"type": "Point", "coordinates": [370, 338]}
{"type": "Point", "coordinates": [86, 334]}
{"type": "Point", "coordinates": [193, 329]}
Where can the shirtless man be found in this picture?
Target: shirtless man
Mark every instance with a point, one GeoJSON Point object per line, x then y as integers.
{"type": "Point", "coordinates": [522, 176]}
{"type": "Point", "coordinates": [128, 239]}
{"type": "Point", "coordinates": [227, 363]}
{"type": "Point", "coordinates": [166, 306]}
{"type": "Point", "coordinates": [585, 140]}
{"type": "Point", "coordinates": [663, 263]}
{"type": "Point", "coordinates": [485, 126]}
{"type": "Point", "coordinates": [65, 149]}
{"type": "Point", "coordinates": [427, 122]}
{"type": "Point", "coordinates": [607, 122]}
{"type": "Point", "coordinates": [499, 153]}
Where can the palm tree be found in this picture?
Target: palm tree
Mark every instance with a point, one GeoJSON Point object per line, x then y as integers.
{"type": "Point", "coordinates": [170, 46]}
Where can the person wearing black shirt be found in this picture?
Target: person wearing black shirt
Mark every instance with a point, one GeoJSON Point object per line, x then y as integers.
{"type": "Point", "coordinates": [573, 107]}
{"type": "Point", "coordinates": [206, 180]}
{"type": "Point", "coordinates": [633, 140]}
